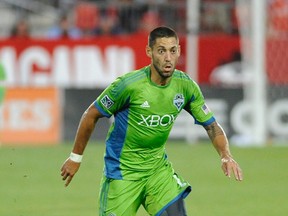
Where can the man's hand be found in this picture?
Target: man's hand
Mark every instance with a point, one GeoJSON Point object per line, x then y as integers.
{"type": "Point", "coordinates": [68, 170]}
{"type": "Point", "coordinates": [230, 165]}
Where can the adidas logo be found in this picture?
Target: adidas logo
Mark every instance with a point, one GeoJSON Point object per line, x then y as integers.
{"type": "Point", "coordinates": [145, 104]}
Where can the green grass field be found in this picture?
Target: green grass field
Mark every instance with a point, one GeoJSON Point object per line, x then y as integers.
{"type": "Point", "coordinates": [31, 184]}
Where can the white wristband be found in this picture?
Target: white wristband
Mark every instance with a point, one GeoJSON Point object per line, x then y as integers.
{"type": "Point", "coordinates": [76, 157]}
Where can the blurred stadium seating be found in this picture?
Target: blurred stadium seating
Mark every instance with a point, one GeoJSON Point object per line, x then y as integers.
{"type": "Point", "coordinates": [42, 14]}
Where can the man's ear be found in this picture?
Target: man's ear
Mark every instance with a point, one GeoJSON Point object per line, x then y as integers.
{"type": "Point", "coordinates": [148, 51]}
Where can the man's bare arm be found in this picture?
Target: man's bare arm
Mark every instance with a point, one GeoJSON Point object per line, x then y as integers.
{"type": "Point", "coordinates": [85, 129]}
{"type": "Point", "coordinates": [221, 144]}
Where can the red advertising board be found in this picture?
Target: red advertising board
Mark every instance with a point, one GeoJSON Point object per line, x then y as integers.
{"type": "Point", "coordinates": [90, 63]}
{"type": "Point", "coordinates": [97, 62]}
{"type": "Point", "coordinates": [71, 63]}
{"type": "Point", "coordinates": [215, 51]}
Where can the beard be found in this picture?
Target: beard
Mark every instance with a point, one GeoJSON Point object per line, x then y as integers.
{"type": "Point", "coordinates": [162, 73]}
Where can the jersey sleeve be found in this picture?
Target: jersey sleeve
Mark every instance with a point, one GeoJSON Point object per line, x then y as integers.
{"type": "Point", "coordinates": [113, 98]}
{"type": "Point", "coordinates": [198, 108]}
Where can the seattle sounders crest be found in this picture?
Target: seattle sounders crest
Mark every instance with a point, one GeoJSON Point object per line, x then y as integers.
{"type": "Point", "coordinates": [178, 101]}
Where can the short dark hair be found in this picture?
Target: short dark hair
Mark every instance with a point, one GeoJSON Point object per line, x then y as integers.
{"type": "Point", "coordinates": [160, 32]}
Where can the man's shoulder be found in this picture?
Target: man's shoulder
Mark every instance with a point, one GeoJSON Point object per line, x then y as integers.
{"type": "Point", "coordinates": [182, 76]}
{"type": "Point", "coordinates": [134, 76]}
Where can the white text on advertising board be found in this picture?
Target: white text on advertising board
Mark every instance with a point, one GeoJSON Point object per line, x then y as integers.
{"type": "Point", "coordinates": [78, 66]}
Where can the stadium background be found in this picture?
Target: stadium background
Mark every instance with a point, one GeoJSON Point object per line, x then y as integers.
{"type": "Point", "coordinates": [51, 78]}
{"type": "Point", "coordinates": [104, 39]}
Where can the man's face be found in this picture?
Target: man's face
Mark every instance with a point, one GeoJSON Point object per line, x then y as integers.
{"type": "Point", "coordinates": [164, 55]}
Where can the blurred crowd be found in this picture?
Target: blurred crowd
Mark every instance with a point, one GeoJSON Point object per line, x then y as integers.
{"type": "Point", "coordinates": [84, 19]}
{"type": "Point", "coordinates": [93, 18]}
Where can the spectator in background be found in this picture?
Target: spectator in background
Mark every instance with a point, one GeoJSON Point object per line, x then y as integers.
{"type": "Point", "coordinates": [87, 17]}
{"type": "Point", "coordinates": [108, 22]}
{"type": "Point", "coordinates": [20, 30]}
{"type": "Point", "coordinates": [148, 22]}
{"type": "Point", "coordinates": [278, 18]}
{"type": "Point", "coordinates": [129, 15]}
{"type": "Point", "coordinates": [64, 30]}
{"type": "Point", "coordinates": [215, 16]}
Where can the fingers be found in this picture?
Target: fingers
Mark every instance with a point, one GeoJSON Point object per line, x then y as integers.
{"type": "Point", "coordinates": [238, 174]}
{"type": "Point", "coordinates": [68, 171]}
{"type": "Point", "coordinates": [66, 175]}
{"type": "Point", "coordinates": [231, 166]}
{"type": "Point", "coordinates": [68, 180]}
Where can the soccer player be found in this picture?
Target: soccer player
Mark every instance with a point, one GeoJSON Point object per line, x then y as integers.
{"type": "Point", "coordinates": [145, 104]}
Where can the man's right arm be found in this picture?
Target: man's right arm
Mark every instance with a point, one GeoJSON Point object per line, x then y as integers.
{"type": "Point", "coordinates": [84, 131]}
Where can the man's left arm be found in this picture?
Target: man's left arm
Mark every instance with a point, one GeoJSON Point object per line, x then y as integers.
{"type": "Point", "coordinates": [221, 144]}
